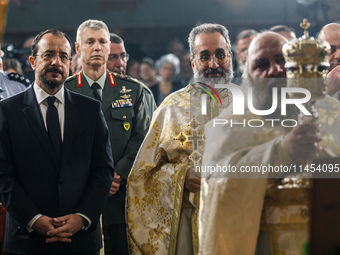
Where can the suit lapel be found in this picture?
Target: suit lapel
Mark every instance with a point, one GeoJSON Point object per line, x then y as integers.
{"type": "Point", "coordinates": [109, 95]}
{"type": "Point", "coordinates": [33, 115]}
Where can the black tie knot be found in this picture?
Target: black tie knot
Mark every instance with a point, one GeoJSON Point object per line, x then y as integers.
{"type": "Point", "coordinates": [51, 100]}
{"type": "Point", "coordinates": [95, 86]}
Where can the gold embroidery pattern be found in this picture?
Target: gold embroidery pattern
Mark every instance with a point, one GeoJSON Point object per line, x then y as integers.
{"type": "Point", "coordinates": [181, 138]}
{"type": "Point", "coordinates": [194, 223]}
{"type": "Point", "coordinates": [156, 182]}
{"type": "Point", "coordinates": [285, 215]}
{"type": "Point", "coordinates": [162, 176]}
{"type": "Point", "coordinates": [177, 211]}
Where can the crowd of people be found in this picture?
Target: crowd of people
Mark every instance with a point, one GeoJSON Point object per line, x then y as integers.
{"type": "Point", "coordinates": [98, 143]}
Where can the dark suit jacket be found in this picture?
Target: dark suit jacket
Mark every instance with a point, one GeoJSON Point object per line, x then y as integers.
{"type": "Point", "coordinates": [125, 143]}
{"type": "Point", "coordinates": [32, 181]}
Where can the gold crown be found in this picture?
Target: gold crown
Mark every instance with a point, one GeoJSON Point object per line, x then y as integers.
{"type": "Point", "coordinates": [306, 54]}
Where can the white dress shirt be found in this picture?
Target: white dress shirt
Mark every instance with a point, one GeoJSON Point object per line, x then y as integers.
{"type": "Point", "coordinates": [42, 96]}
{"type": "Point", "coordinates": [100, 82]}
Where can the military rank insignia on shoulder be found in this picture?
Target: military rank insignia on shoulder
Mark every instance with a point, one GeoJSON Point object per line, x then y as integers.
{"type": "Point", "coordinates": [126, 77]}
{"type": "Point", "coordinates": [71, 77]}
{"type": "Point", "coordinates": [121, 76]}
{"type": "Point", "coordinates": [19, 78]}
{"type": "Point", "coordinates": [135, 80]}
{"type": "Point", "coordinates": [139, 82]}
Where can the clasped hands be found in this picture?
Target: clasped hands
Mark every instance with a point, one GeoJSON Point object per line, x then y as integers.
{"type": "Point", "coordinates": [59, 229]}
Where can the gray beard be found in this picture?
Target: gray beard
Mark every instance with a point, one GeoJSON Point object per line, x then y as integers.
{"type": "Point", "coordinates": [225, 79]}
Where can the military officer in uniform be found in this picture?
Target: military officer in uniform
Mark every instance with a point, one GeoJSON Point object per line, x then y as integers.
{"type": "Point", "coordinates": [125, 114]}
{"type": "Point", "coordinates": [12, 83]}
{"type": "Point", "coordinates": [117, 61]}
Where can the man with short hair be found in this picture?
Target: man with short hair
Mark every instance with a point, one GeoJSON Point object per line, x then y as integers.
{"type": "Point", "coordinates": [76, 64]}
{"type": "Point", "coordinates": [55, 159]}
{"type": "Point", "coordinates": [240, 205]}
{"type": "Point", "coordinates": [117, 61]}
{"type": "Point", "coordinates": [124, 110]}
{"type": "Point", "coordinates": [163, 188]}
{"type": "Point", "coordinates": [243, 39]}
{"type": "Point", "coordinates": [331, 34]}
{"type": "Point", "coordinates": [118, 57]}
{"type": "Point", "coordinates": [285, 31]}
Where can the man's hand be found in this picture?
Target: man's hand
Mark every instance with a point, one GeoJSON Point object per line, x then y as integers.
{"type": "Point", "coordinates": [191, 183]}
{"type": "Point", "coordinates": [115, 184]}
{"type": "Point", "coordinates": [72, 223]}
{"type": "Point", "coordinates": [333, 81]}
{"type": "Point", "coordinates": [300, 142]}
{"type": "Point", "coordinates": [44, 224]}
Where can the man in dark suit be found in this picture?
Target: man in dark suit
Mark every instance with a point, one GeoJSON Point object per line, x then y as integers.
{"type": "Point", "coordinates": [55, 159]}
{"type": "Point", "coordinates": [126, 117]}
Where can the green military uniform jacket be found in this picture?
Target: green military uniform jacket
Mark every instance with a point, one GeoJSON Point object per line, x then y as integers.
{"type": "Point", "coordinates": [127, 125]}
{"type": "Point", "coordinates": [150, 103]}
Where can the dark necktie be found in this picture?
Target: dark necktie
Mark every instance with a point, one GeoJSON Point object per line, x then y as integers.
{"type": "Point", "coordinates": [53, 126]}
{"type": "Point", "coordinates": [95, 86]}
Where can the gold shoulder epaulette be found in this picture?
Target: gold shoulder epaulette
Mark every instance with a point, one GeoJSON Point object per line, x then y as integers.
{"type": "Point", "coordinates": [135, 80]}
{"type": "Point", "coordinates": [139, 82]}
{"type": "Point", "coordinates": [126, 77]}
{"type": "Point", "coordinates": [121, 76]}
{"type": "Point", "coordinates": [71, 77]}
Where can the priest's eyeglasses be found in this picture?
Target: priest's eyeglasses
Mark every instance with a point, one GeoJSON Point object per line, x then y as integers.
{"type": "Point", "coordinates": [48, 56]}
{"type": "Point", "coordinates": [220, 57]}
{"type": "Point", "coordinates": [334, 48]}
{"type": "Point", "coordinates": [114, 57]}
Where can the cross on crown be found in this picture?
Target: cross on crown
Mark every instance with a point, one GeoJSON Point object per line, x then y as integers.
{"type": "Point", "coordinates": [305, 25]}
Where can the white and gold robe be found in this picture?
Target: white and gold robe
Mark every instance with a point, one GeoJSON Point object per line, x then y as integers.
{"type": "Point", "coordinates": [235, 210]}
{"type": "Point", "coordinates": [155, 191]}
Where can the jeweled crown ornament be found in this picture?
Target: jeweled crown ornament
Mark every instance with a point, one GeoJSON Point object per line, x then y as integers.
{"type": "Point", "coordinates": [307, 57]}
{"type": "Point", "coordinates": [306, 64]}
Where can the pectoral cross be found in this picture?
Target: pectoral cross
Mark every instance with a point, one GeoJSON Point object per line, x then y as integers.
{"type": "Point", "coordinates": [192, 138]}
{"type": "Point", "coordinates": [195, 135]}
